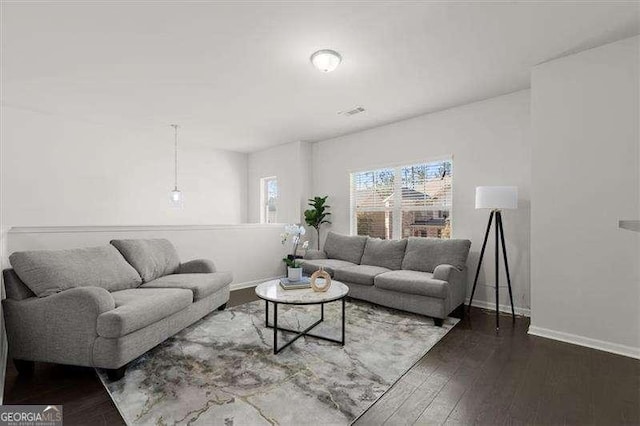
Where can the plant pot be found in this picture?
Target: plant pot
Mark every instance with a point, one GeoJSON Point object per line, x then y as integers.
{"type": "Point", "coordinates": [294, 274]}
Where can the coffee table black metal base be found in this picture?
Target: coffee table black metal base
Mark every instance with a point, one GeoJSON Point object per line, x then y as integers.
{"type": "Point", "coordinates": [300, 333]}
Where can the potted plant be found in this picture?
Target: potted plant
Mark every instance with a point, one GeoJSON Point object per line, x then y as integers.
{"type": "Point", "coordinates": [317, 215]}
{"type": "Point", "coordinates": [294, 269]}
{"type": "Point", "coordinates": [293, 233]}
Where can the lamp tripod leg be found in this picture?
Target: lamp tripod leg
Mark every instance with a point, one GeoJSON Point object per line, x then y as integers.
{"type": "Point", "coordinates": [497, 273]}
{"type": "Point", "coordinates": [484, 246]}
{"type": "Point", "coordinates": [506, 264]}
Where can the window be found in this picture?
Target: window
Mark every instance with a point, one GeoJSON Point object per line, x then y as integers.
{"type": "Point", "coordinates": [405, 201]}
{"type": "Point", "coordinates": [269, 200]}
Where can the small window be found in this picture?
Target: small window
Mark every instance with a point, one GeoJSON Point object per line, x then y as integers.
{"type": "Point", "coordinates": [269, 200]}
{"type": "Point", "coordinates": [406, 201]}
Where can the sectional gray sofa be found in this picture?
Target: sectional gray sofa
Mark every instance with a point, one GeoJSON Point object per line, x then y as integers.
{"type": "Point", "coordinates": [104, 306]}
{"type": "Point", "coordinates": [421, 275]}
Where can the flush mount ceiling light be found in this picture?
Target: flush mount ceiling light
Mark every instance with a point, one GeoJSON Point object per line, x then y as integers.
{"type": "Point", "coordinates": [326, 60]}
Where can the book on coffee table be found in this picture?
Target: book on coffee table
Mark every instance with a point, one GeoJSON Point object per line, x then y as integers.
{"type": "Point", "coordinates": [287, 284]}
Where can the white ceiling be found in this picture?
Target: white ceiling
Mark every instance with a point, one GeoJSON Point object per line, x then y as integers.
{"type": "Point", "coordinates": [238, 76]}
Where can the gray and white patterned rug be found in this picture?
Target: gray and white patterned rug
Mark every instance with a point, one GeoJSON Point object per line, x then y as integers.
{"type": "Point", "coordinates": [222, 370]}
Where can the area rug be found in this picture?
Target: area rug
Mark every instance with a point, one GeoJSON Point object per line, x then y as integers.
{"type": "Point", "coordinates": [222, 370]}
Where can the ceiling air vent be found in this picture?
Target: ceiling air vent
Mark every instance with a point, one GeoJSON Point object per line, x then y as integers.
{"type": "Point", "coordinates": [353, 111]}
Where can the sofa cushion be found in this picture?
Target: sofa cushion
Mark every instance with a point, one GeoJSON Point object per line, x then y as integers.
{"type": "Point", "coordinates": [424, 254]}
{"type": "Point", "coordinates": [412, 282]}
{"type": "Point", "coordinates": [329, 265]}
{"type": "Point", "coordinates": [359, 274]}
{"type": "Point", "coordinates": [315, 254]}
{"type": "Point", "coordinates": [345, 247]}
{"type": "Point", "coordinates": [152, 259]}
{"type": "Point", "coordinates": [385, 253]}
{"type": "Point", "coordinates": [139, 307]}
{"type": "Point", "coordinates": [47, 272]}
{"type": "Point", "coordinates": [201, 285]}
{"type": "Point", "coordinates": [14, 287]}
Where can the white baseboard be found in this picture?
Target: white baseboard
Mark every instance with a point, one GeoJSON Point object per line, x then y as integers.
{"type": "Point", "coordinates": [588, 342]}
{"type": "Point", "coordinates": [503, 308]}
{"type": "Point", "coordinates": [247, 284]}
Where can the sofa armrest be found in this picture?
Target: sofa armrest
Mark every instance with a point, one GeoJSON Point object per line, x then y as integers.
{"type": "Point", "coordinates": [60, 328]}
{"type": "Point", "coordinates": [443, 272]}
{"type": "Point", "coordinates": [315, 254]}
{"type": "Point", "coordinates": [457, 280]}
{"type": "Point", "coordinates": [197, 266]}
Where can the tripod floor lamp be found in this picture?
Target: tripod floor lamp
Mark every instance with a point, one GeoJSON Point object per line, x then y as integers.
{"type": "Point", "coordinates": [496, 198]}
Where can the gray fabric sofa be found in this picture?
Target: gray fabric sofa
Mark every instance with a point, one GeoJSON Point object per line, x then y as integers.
{"type": "Point", "coordinates": [104, 306]}
{"type": "Point", "coordinates": [426, 276]}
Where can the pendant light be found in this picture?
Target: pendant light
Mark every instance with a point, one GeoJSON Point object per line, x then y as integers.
{"type": "Point", "coordinates": [175, 197]}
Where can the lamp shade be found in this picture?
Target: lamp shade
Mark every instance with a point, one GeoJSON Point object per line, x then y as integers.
{"type": "Point", "coordinates": [176, 199]}
{"type": "Point", "coordinates": [496, 197]}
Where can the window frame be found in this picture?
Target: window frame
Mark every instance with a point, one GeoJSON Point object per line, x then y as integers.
{"type": "Point", "coordinates": [264, 198]}
{"type": "Point", "coordinates": [396, 228]}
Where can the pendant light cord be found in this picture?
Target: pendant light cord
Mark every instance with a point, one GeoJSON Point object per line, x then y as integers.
{"type": "Point", "coordinates": [175, 156]}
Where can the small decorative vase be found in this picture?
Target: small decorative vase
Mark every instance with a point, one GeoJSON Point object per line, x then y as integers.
{"type": "Point", "coordinates": [320, 280]}
{"type": "Point", "coordinates": [294, 274]}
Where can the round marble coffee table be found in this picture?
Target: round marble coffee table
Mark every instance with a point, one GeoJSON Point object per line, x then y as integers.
{"type": "Point", "coordinates": [271, 292]}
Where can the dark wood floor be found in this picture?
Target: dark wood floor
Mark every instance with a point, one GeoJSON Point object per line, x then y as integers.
{"type": "Point", "coordinates": [473, 375]}
{"type": "Point", "coordinates": [476, 376]}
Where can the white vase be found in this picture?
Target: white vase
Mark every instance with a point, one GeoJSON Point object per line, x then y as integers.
{"type": "Point", "coordinates": [294, 274]}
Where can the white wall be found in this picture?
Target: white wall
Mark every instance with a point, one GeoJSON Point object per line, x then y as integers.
{"type": "Point", "coordinates": [305, 179]}
{"type": "Point", "coordinates": [489, 141]}
{"type": "Point", "coordinates": [291, 164]}
{"type": "Point", "coordinates": [59, 171]}
{"type": "Point", "coordinates": [585, 270]}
